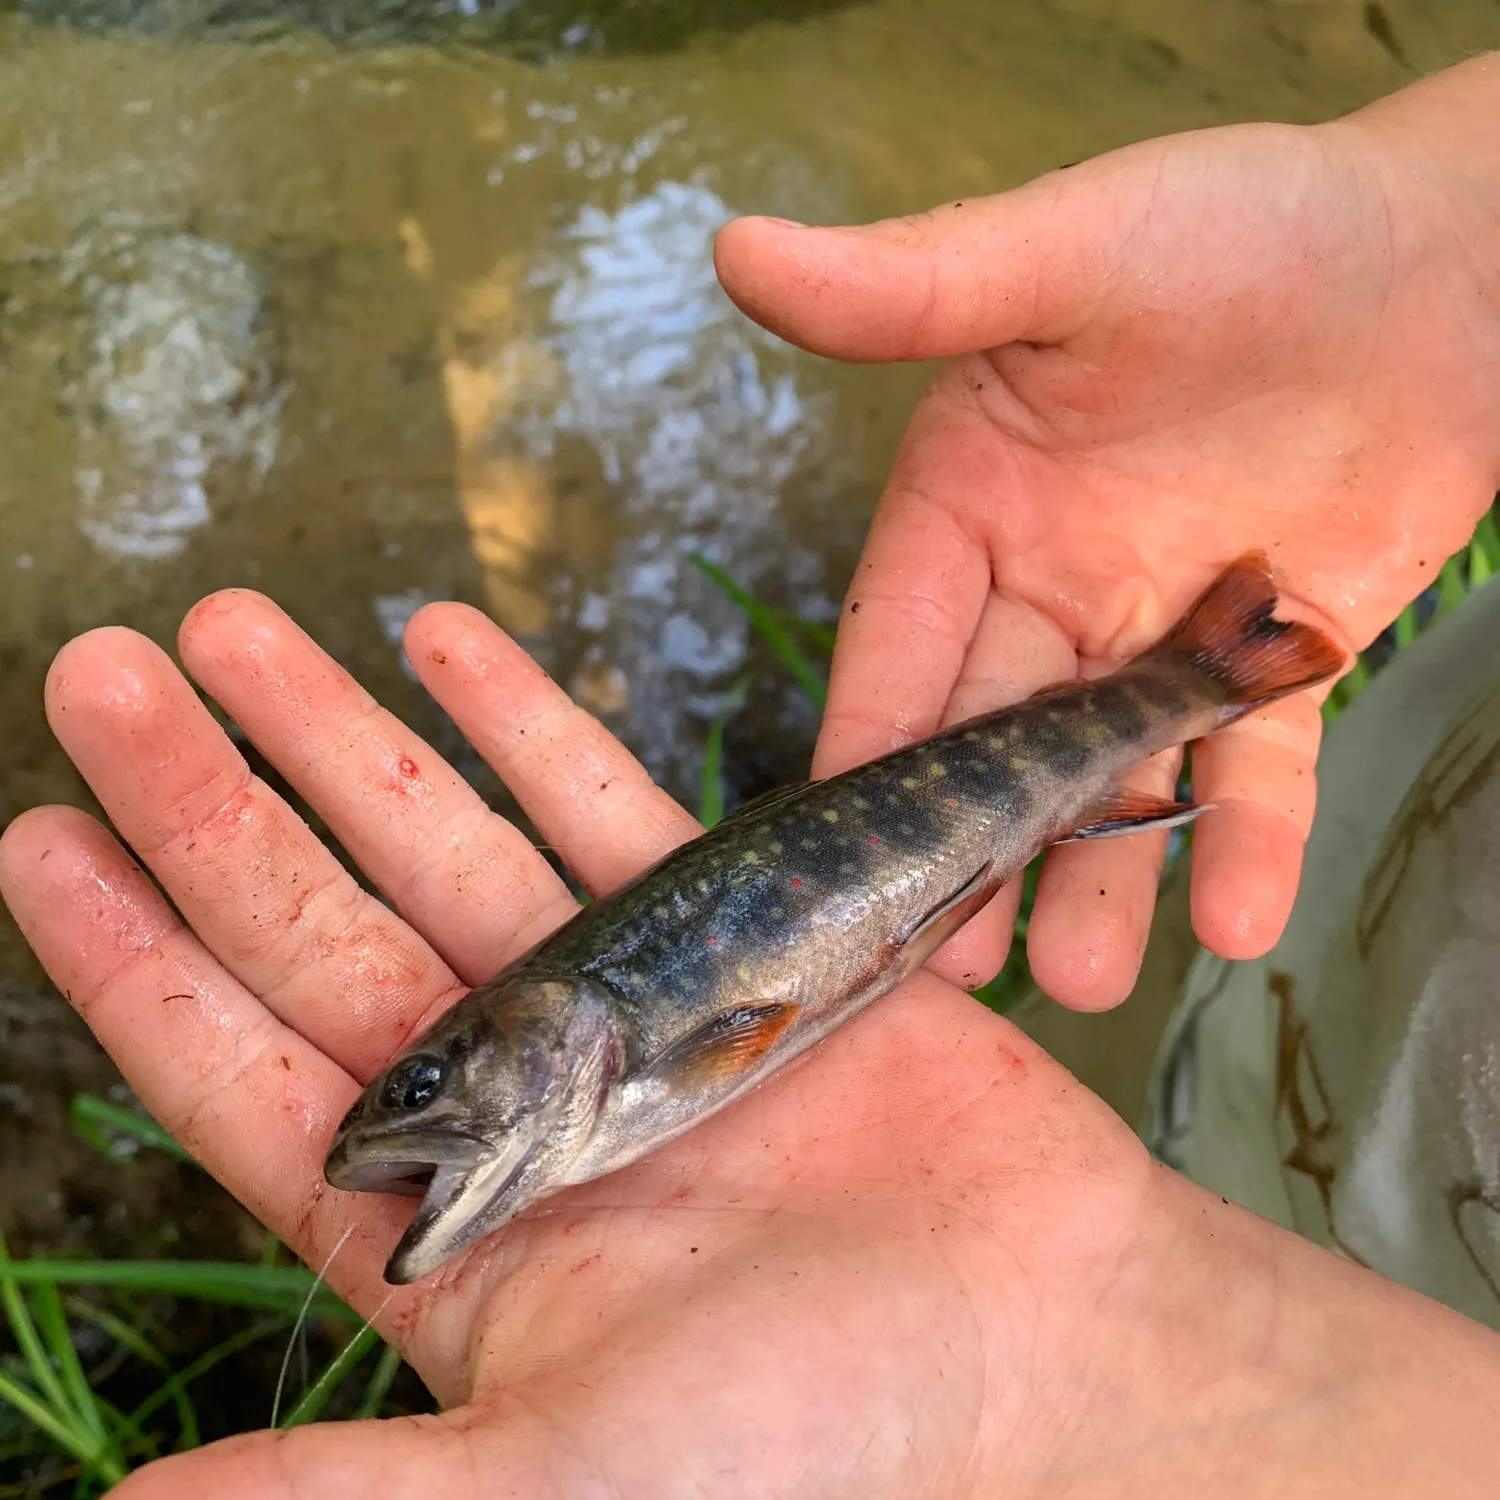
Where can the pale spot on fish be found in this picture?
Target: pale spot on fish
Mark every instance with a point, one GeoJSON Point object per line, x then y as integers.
{"type": "Point", "coordinates": [777, 912]}
{"type": "Point", "coordinates": [776, 849]}
{"type": "Point", "coordinates": [861, 804]}
{"type": "Point", "coordinates": [905, 830]}
{"type": "Point", "coordinates": [893, 800]}
{"type": "Point", "coordinates": [937, 768]}
{"type": "Point", "coordinates": [830, 815]}
{"type": "Point", "coordinates": [846, 867]}
{"type": "Point", "coordinates": [702, 887]}
{"type": "Point", "coordinates": [1019, 763]}
{"type": "Point", "coordinates": [997, 742]}
{"type": "Point", "coordinates": [743, 973]}
{"type": "Point", "coordinates": [637, 979]}
{"type": "Point", "coordinates": [971, 735]}
{"type": "Point", "coordinates": [660, 913]}
{"type": "Point", "coordinates": [750, 857]}
{"type": "Point", "coordinates": [910, 783]}
{"type": "Point", "coordinates": [809, 843]}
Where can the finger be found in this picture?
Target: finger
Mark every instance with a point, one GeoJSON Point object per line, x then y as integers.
{"type": "Point", "coordinates": [915, 602]}
{"type": "Point", "coordinates": [1260, 777]}
{"type": "Point", "coordinates": [590, 798]}
{"type": "Point", "coordinates": [265, 897]}
{"type": "Point", "coordinates": [1014, 653]}
{"type": "Point", "coordinates": [1094, 903]}
{"type": "Point", "coordinates": [469, 881]}
{"type": "Point", "coordinates": [1026, 264]}
{"type": "Point", "coordinates": [458, 1454]}
{"type": "Point", "coordinates": [252, 1100]}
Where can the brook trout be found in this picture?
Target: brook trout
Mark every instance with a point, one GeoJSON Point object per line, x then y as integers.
{"type": "Point", "coordinates": [657, 1005]}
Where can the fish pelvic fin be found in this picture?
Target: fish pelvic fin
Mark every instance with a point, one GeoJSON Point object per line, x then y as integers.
{"type": "Point", "coordinates": [1232, 637]}
{"type": "Point", "coordinates": [1124, 811]}
{"type": "Point", "coordinates": [727, 1047]}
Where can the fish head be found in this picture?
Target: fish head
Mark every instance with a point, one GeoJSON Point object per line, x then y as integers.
{"type": "Point", "coordinates": [481, 1113]}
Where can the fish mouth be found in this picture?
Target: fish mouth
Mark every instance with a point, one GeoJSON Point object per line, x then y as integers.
{"type": "Point", "coordinates": [403, 1162]}
{"type": "Point", "coordinates": [463, 1182]}
{"type": "Point", "coordinates": [461, 1203]}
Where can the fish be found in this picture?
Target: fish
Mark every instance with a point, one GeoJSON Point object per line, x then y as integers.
{"type": "Point", "coordinates": [659, 1004]}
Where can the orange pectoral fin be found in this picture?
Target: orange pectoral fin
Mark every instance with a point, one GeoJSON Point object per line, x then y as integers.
{"type": "Point", "coordinates": [728, 1047]}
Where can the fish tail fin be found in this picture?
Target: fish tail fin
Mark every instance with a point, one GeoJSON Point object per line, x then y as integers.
{"type": "Point", "coordinates": [1232, 637]}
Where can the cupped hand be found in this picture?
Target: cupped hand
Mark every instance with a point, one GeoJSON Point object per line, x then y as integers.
{"type": "Point", "coordinates": [1258, 336]}
{"type": "Point", "coordinates": [922, 1262]}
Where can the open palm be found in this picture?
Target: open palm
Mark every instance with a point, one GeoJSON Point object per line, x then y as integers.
{"type": "Point", "coordinates": [1259, 336]}
{"type": "Point", "coordinates": [922, 1262]}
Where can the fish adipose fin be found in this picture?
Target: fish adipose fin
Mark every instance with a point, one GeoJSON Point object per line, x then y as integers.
{"type": "Point", "coordinates": [1125, 811]}
{"type": "Point", "coordinates": [1231, 635]}
{"type": "Point", "coordinates": [729, 1046]}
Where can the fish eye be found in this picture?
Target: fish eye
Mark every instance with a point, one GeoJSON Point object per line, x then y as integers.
{"type": "Point", "coordinates": [413, 1084]}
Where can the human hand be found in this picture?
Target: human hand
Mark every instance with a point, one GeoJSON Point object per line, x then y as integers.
{"type": "Point", "coordinates": [921, 1262]}
{"type": "Point", "coordinates": [1260, 336]}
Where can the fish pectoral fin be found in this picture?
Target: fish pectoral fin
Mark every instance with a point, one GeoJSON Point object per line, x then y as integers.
{"type": "Point", "coordinates": [729, 1046]}
{"type": "Point", "coordinates": [1124, 811]}
{"type": "Point", "coordinates": [939, 924]}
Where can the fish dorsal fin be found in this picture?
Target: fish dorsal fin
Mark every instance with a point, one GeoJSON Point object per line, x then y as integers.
{"type": "Point", "coordinates": [723, 1050]}
{"type": "Point", "coordinates": [1124, 811]}
{"type": "Point", "coordinates": [938, 925]}
{"type": "Point", "coordinates": [765, 800]}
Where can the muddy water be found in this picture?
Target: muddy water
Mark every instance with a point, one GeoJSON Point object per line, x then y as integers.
{"type": "Point", "coordinates": [364, 316]}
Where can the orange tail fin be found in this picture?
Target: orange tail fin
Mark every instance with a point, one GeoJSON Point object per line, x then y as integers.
{"type": "Point", "coordinates": [1231, 635]}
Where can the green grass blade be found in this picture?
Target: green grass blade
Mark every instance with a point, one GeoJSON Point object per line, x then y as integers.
{"type": "Point", "coordinates": [205, 1362]}
{"type": "Point", "coordinates": [380, 1383]}
{"type": "Point", "coordinates": [269, 1246]}
{"type": "Point", "coordinates": [770, 629]}
{"type": "Point", "coordinates": [122, 1333]}
{"type": "Point", "coordinates": [711, 785]}
{"type": "Point", "coordinates": [264, 1288]}
{"type": "Point", "coordinates": [316, 1396]}
{"type": "Point", "coordinates": [814, 630]}
{"type": "Point", "coordinates": [1480, 569]}
{"type": "Point", "coordinates": [1451, 590]}
{"type": "Point", "coordinates": [70, 1440]}
{"type": "Point", "coordinates": [53, 1323]}
{"type": "Point", "coordinates": [27, 1339]}
{"type": "Point", "coordinates": [1487, 539]}
{"type": "Point", "coordinates": [1406, 627]}
{"type": "Point", "coordinates": [92, 1116]}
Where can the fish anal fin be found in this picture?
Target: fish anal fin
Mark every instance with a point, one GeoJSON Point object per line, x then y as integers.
{"type": "Point", "coordinates": [723, 1050]}
{"type": "Point", "coordinates": [939, 924]}
{"type": "Point", "coordinates": [1124, 811]}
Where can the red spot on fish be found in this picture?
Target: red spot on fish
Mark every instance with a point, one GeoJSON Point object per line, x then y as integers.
{"type": "Point", "coordinates": [440, 658]}
{"type": "Point", "coordinates": [573, 1225]}
{"type": "Point", "coordinates": [795, 881]}
{"type": "Point", "coordinates": [407, 767]}
{"type": "Point", "coordinates": [713, 942]}
{"type": "Point", "coordinates": [871, 839]}
{"type": "Point", "coordinates": [584, 1264]}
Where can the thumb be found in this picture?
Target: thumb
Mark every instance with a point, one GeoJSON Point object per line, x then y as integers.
{"type": "Point", "coordinates": [1032, 264]}
{"type": "Point", "coordinates": [374, 1460]}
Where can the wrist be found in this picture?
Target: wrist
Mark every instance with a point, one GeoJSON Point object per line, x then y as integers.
{"type": "Point", "coordinates": [1436, 145]}
{"type": "Point", "coordinates": [1297, 1374]}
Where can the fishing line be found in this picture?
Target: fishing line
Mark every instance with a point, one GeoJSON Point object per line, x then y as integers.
{"type": "Point", "coordinates": [297, 1327]}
